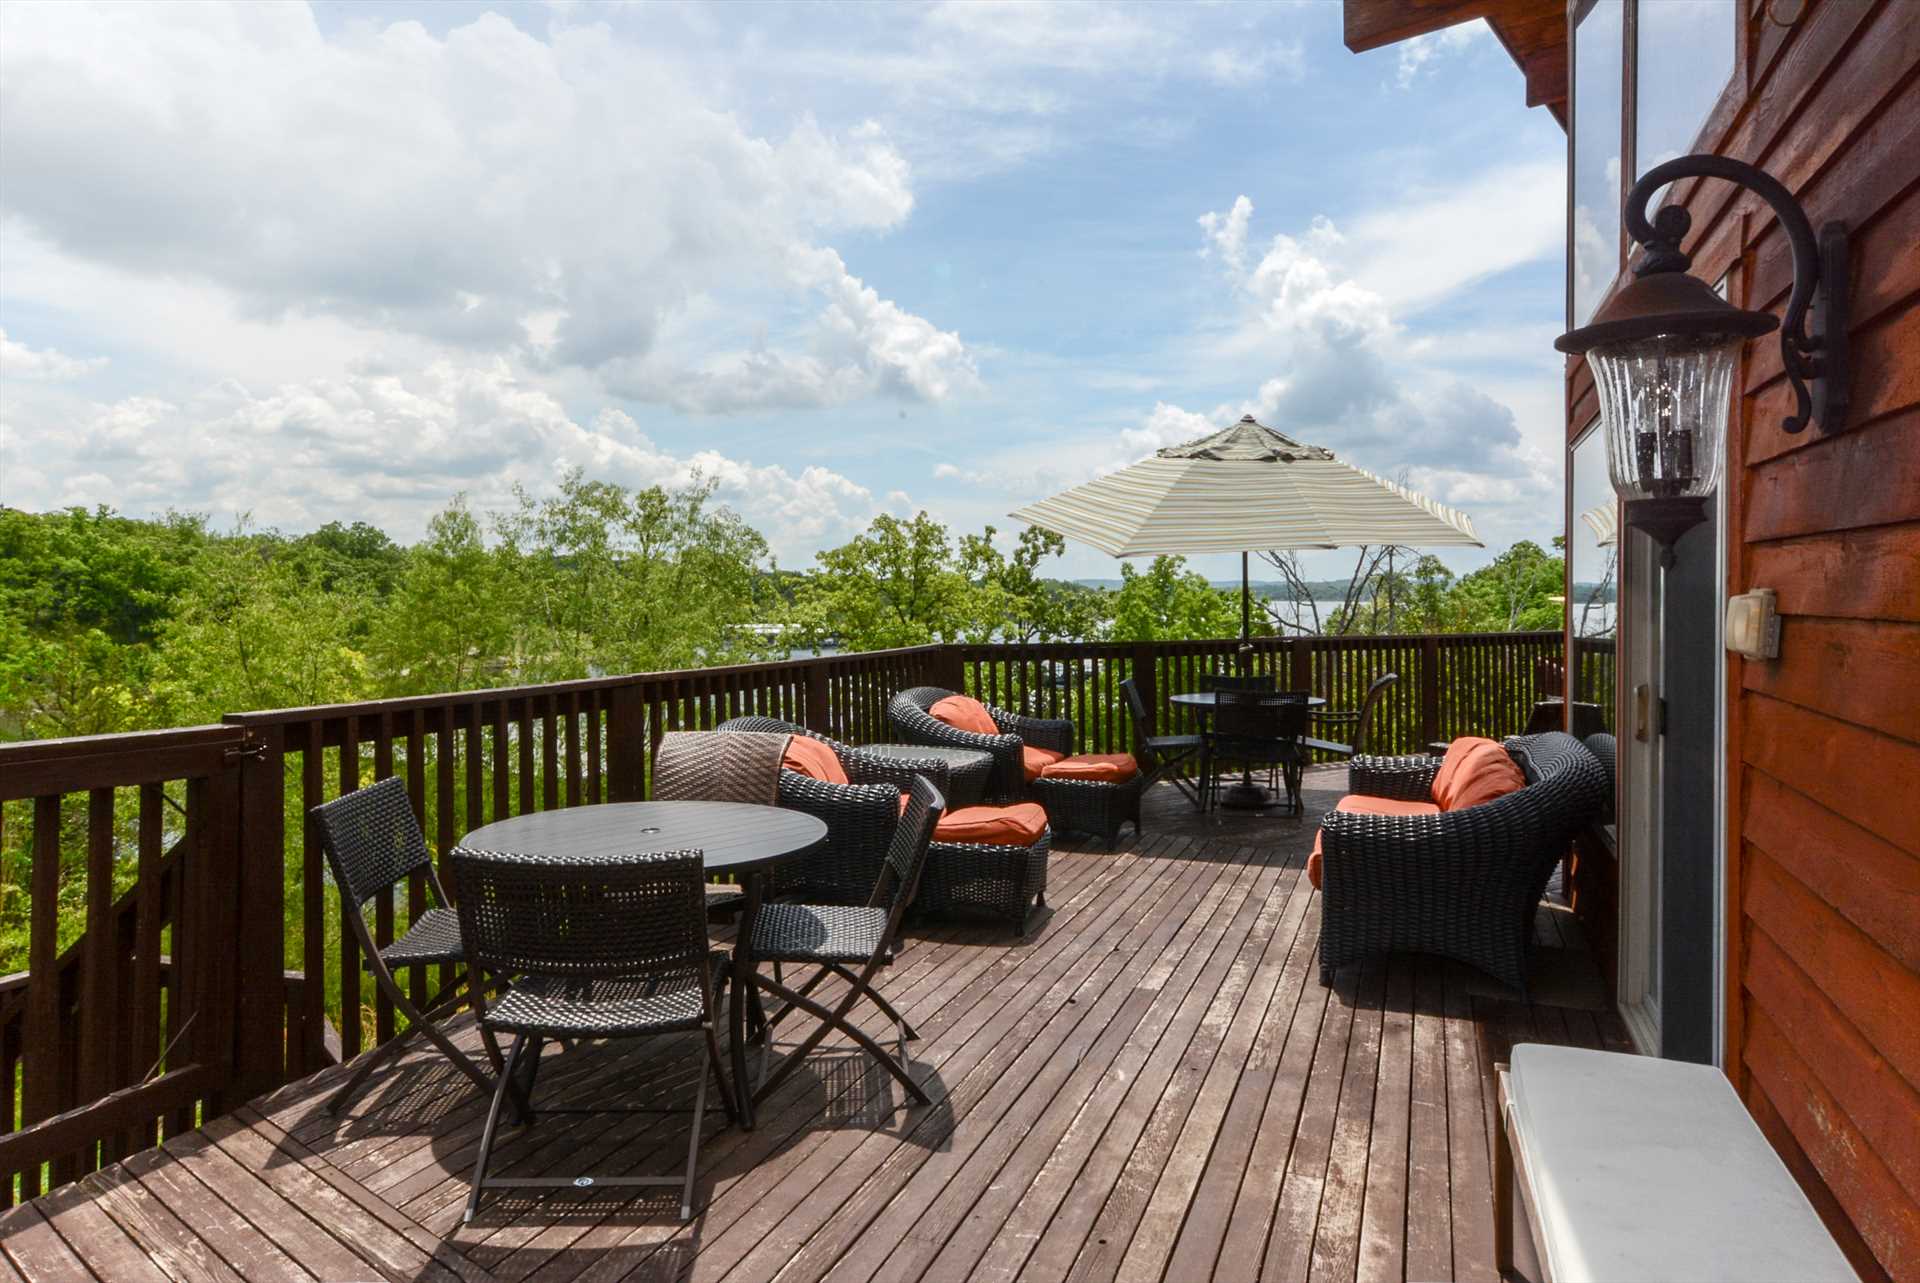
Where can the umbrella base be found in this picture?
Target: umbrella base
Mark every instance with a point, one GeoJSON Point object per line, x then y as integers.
{"type": "Point", "coordinates": [1247, 796]}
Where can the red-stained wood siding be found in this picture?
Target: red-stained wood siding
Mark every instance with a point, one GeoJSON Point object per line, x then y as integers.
{"type": "Point", "coordinates": [1823, 744]}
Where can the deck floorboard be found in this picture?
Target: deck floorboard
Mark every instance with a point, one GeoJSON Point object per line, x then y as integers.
{"type": "Point", "coordinates": [1151, 1085]}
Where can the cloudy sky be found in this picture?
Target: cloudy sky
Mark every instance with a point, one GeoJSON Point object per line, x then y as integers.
{"type": "Point", "coordinates": [347, 260]}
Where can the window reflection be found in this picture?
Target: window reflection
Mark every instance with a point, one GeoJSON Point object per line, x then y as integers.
{"type": "Point", "coordinates": [1593, 551]}
{"type": "Point", "coordinates": [1598, 52]}
{"type": "Point", "coordinates": [1685, 58]}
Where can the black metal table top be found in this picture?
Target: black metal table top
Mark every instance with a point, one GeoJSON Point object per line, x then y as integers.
{"type": "Point", "coordinates": [1205, 701]}
{"type": "Point", "coordinates": [732, 836]}
{"type": "Point", "coordinates": [961, 757]}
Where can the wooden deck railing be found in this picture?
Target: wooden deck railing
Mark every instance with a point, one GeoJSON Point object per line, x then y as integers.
{"type": "Point", "coordinates": [1450, 684]}
{"type": "Point", "coordinates": [194, 955]}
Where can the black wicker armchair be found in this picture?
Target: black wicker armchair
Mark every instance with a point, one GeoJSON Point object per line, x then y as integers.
{"type": "Point", "coordinates": [860, 815]}
{"type": "Point", "coordinates": [1074, 805]}
{"type": "Point", "coordinates": [1464, 883]}
{"type": "Point", "coordinates": [908, 714]}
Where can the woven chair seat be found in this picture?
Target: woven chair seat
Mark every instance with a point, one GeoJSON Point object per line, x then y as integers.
{"type": "Point", "coordinates": [434, 936]}
{"type": "Point", "coordinates": [598, 1006]}
{"type": "Point", "coordinates": [1173, 743]}
{"type": "Point", "coordinates": [819, 933]}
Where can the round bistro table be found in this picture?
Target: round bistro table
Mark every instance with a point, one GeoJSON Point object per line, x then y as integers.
{"type": "Point", "coordinates": [738, 839]}
{"type": "Point", "coordinates": [967, 768]}
{"type": "Point", "coordinates": [1246, 795]}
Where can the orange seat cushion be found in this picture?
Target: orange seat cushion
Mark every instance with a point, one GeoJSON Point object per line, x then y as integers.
{"type": "Point", "coordinates": [1021, 824]}
{"type": "Point", "coordinates": [1106, 768]}
{"type": "Point", "coordinates": [1475, 771]}
{"type": "Point", "coordinates": [1035, 760]}
{"type": "Point", "coordinates": [1362, 804]}
{"type": "Point", "coordinates": [809, 757]}
{"type": "Point", "coordinates": [964, 713]}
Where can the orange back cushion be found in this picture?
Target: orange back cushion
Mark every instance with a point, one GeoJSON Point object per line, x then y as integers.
{"type": "Point", "coordinates": [1482, 772]}
{"type": "Point", "coordinates": [964, 713]}
{"type": "Point", "coordinates": [1450, 764]}
{"type": "Point", "coordinates": [809, 757]}
{"type": "Point", "coordinates": [1035, 760]}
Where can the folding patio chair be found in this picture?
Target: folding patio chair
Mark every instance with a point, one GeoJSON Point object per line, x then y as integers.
{"type": "Point", "coordinates": [1161, 755]}
{"type": "Point", "coordinates": [373, 843]}
{"type": "Point", "coordinates": [837, 938]}
{"type": "Point", "coordinates": [587, 949]}
{"type": "Point", "coordinates": [1353, 722]}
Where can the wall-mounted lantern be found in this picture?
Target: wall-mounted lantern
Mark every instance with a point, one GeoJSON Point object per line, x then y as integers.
{"type": "Point", "coordinates": [1664, 348]}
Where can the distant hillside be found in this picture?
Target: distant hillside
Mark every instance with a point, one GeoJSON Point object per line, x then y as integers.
{"type": "Point", "coordinates": [1334, 589]}
{"type": "Point", "coordinates": [1317, 589]}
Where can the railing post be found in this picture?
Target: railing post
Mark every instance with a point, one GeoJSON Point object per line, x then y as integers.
{"type": "Point", "coordinates": [1429, 690]}
{"type": "Point", "coordinates": [626, 745]}
{"type": "Point", "coordinates": [952, 667]}
{"type": "Point", "coordinates": [818, 710]}
{"type": "Point", "coordinates": [1300, 665]}
{"type": "Point", "coordinates": [213, 807]}
{"type": "Point", "coordinates": [260, 1001]}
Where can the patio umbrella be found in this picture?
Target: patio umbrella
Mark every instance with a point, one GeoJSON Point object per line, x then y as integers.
{"type": "Point", "coordinates": [1245, 488]}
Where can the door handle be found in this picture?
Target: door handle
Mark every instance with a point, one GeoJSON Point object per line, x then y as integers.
{"type": "Point", "coordinates": [1643, 712]}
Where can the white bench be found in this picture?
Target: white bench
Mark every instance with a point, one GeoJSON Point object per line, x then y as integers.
{"type": "Point", "coordinates": [1636, 1168]}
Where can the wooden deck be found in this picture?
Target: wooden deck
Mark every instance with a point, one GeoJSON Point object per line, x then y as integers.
{"type": "Point", "coordinates": [1153, 1085]}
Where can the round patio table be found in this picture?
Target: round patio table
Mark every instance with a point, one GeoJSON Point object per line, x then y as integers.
{"type": "Point", "coordinates": [1246, 795]}
{"type": "Point", "coordinates": [738, 839]}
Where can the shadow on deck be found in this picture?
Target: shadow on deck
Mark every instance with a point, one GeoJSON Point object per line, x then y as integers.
{"type": "Point", "coordinates": [1151, 1085]}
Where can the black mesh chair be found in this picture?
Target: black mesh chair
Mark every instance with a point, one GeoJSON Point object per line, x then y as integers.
{"type": "Point", "coordinates": [1350, 724]}
{"type": "Point", "coordinates": [373, 843]}
{"type": "Point", "coordinates": [1254, 730]}
{"type": "Point", "coordinates": [837, 938]}
{"type": "Point", "coordinates": [587, 949]}
{"type": "Point", "coordinates": [1160, 756]}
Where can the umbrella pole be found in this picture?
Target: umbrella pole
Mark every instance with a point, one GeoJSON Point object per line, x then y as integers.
{"type": "Point", "coordinates": [1246, 618]}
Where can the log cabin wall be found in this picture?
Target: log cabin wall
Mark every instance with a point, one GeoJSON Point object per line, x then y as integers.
{"type": "Point", "coordinates": [1823, 745]}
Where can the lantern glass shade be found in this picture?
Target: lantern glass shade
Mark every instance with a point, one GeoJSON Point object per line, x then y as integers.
{"type": "Point", "coordinates": [1664, 403]}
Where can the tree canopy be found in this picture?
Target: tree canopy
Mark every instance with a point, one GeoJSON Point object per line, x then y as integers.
{"type": "Point", "coordinates": [111, 623]}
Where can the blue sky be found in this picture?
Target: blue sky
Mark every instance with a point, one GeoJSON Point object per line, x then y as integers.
{"type": "Point", "coordinates": [346, 261]}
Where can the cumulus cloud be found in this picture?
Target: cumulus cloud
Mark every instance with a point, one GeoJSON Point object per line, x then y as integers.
{"type": "Point", "coordinates": [1347, 375]}
{"type": "Point", "coordinates": [1418, 54]}
{"type": "Point", "coordinates": [571, 201]}
{"type": "Point", "coordinates": [18, 361]}
{"type": "Point", "coordinates": [1239, 68]}
{"type": "Point", "coordinates": [391, 448]}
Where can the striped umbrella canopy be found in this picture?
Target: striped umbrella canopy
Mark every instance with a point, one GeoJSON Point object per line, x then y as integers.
{"type": "Point", "coordinates": [1246, 488]}
{"type": "Point", "coordinates": [1604, 520]}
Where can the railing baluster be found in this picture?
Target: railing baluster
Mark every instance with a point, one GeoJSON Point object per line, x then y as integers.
{"type": "Point", "coordinates": [143, 1008]}
{"type": "Point", "coordinates": [383, 909]}
{"type": "Point", "coordinates": [350, 1017]}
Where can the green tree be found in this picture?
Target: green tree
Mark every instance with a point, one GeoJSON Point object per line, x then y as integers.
{"type": "Point", "coordinates": [359, 557]}
{"type": "Point", "coordinates": [600, 579]}
{"type": "Point", "coordinates": [1169, 602]}
{"type": "Point", "coordinates": [1010, 601]}
{"type": "Point", "coordinates": [443, 628]}
{"type": "Point", "coordinates": [896, 584]}
{"type": "Point", "coordinates": [253, 631]}
{"type": "Point", "coordinates": [1516, 593]}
